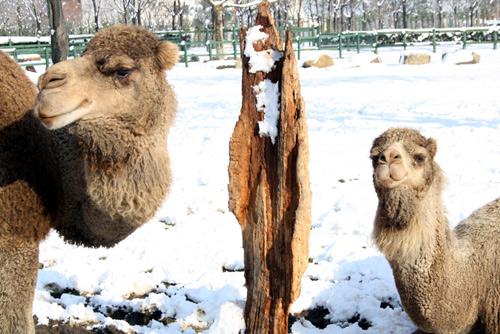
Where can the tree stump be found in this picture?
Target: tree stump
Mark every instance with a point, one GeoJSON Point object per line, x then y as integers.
{"type": "Point", "coordinates": [269, 190]}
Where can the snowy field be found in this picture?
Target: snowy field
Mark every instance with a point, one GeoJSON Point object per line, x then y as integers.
{"type": "Point", "coordinates": [182, 272]}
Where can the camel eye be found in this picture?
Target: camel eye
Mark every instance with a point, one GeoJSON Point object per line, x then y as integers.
{"type": "Point", "coordinates": [419, 158]}
{"type": "Point", "coordinates": [122, 73]}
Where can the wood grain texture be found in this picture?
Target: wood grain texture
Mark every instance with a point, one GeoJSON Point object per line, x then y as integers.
{"type": "Point", "coordinates": [269, 190]}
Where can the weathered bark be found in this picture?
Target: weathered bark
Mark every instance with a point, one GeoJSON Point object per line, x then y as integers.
{"type": "Point", "coordinates": [58, 35]}
{"type": "Point", "coordinates": [269, 190]}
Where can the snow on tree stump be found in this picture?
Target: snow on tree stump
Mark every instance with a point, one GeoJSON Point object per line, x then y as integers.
{"type": "Point", "coordinates": [269, 190]}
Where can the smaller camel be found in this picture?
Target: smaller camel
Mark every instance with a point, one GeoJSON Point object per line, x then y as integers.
{"type": "Point", "coordinates": [448, 280]}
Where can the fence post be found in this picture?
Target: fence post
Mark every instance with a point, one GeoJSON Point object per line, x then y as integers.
{"type": "Point", "coordinates": [184, 49]}
{"type": "Point", "coordinates": [235, 51]}
{"type": "Point", "coordinates": [375, 44]}
{"type": "Point", "coordinates": [209, 47]}
{"type": "Point", "coordinates": [298, 47]}
{"type": "Point", "coordinates": [434, 40]}
{"type": "Point", "coordinates": [495, 39]}
{"type": "Point", "coordinates": [46, 54]}
{"type": "Point", "coordinates": [404, 40]}
{"type": "Point", "coordinates": [357, 42]}
{"type": "Point", "coordinates": [340, 45]}
{"type": "Point", "coordinates": [464, 39]}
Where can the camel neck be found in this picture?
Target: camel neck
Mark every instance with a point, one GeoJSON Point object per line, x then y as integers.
{"type": "Point", "coordinates": [425, 232]}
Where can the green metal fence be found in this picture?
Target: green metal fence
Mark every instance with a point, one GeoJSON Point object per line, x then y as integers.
{"type": "Point", "coordinates": [398, 38]}
{"type": "Point", "coordinates": [196, 45]}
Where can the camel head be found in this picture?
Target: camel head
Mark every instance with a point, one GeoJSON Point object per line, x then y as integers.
{"type": "Point", "coordinates": [118, 75]}
{"type": "Point", "coordinates": [108, 114]}
{"type": "Point", "coordinates": [403, 172]}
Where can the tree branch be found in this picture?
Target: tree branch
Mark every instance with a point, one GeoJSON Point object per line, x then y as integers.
{"type": "Point", "coordinates": [217, 3]}
{"type": "Point", "coordinates": [246, 5]}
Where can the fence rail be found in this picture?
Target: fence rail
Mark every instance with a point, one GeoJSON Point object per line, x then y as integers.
{"type": "Point", "coordinates": [37, 51]}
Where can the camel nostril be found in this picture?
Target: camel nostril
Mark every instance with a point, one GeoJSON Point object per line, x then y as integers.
{"type": "Point", "coordinates": [382, 158]}
{"type": "Point", "coordinates": [396, 157]}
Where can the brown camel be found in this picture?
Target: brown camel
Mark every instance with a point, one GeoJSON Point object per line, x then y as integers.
{"type": "Point", "coordinates": [90, 161]}
{"type": "Point", "coordinates": [448, 280]}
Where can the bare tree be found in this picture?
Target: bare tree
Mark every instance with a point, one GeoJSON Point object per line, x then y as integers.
{"type": "Point", "coordinates": [35, 10]}
{"type": "Point", "coordinates": [472, 7]}
{"type": "Point", "coordinates": [96, 6]}
{"type": "Point", "coordinates": [58, 35]}
{"type": "Point", "coordinates": [380, 19]}
{"type": "Point", "coordinates": [438, 14]}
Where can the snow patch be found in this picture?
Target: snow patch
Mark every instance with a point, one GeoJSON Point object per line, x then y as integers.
{"type": "Point", "coordinates": [229, 321]}
{"type": "Point", "coordinates": [267, 95]}
{"type": "Point", "coordinates": [459, 56]}
{"type": "Point", "coordinates": [260, 60]}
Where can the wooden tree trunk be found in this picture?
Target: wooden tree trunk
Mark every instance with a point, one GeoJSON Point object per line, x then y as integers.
{"type": "Point", "coordinates": [58, 36]}
{"type": "Point", "coordinates": [269, 190]}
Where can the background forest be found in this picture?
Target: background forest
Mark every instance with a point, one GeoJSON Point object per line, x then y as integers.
{"type": "Point", "coordinates": [30, 17]}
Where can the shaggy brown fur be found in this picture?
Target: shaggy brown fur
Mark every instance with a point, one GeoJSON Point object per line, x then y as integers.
{"type": "Point", "coordinates": [447, 279]}
{"type": "Point", "coordinates": [102, 168]}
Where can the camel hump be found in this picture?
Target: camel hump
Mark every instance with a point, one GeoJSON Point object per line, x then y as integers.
{"type": "Point", "coordinates": [18, 92]}
{"type": "Point", "coordinates": [483, 225]}
{"type": "Point", "coordinates": [490, 211]}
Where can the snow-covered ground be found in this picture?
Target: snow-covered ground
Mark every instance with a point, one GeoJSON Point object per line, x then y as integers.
{"type": "Point", "coordinates": [182, 272]}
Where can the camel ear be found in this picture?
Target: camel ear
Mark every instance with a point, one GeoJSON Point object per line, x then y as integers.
{"type": "Point", "coordinates": [431, 146]}
{"type": "Point", "coordinates": [167, 55]}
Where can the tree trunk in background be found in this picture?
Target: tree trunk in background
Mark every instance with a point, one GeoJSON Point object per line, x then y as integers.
{"type": "Point", "coordinates": [379, 16]}
{"type": "Point", "coordinates": [139, 14]}
{"type": "Point", "coordinates": [364, 20]}
{"type": "Point", "coordinates": [174, 15]}
{"type": "Point", "coordinates": [19, 21]}
{"type": "Point", "coordinates": [439, 14]}
{"type": "Point", "coordinates": [134, 13]}
{"type": "Point", "coordinates": [96, 15]}
{"type": "Point", "coordinates": [219, 30]}
{"type": "Point", "coordinates": [125, 9]}
{"type": "Point", "coordinates": [299, 23]}
{"type": "Point", "coordinates": [58, 36]}
{"type": "Point", "coordinates": [342, 25]}
{"type": "Point", "coordinates": [405, 14]}
{"type": "Point", "coordinates": [269, 191]}
{"type": "Point", "coordinates": [37, 19]}
{"type": "Point", "coordinates": [181, 14]}
{"type": "Point", "coordinates": [329, 17]}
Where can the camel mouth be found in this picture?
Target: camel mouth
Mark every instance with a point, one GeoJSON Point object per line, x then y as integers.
{"type": "Point", "coordinates": [57, 121]}
{"type": "Point", "coordinates": [388, 183]}
{"type": "Point", "coordinates": [389, 176]}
